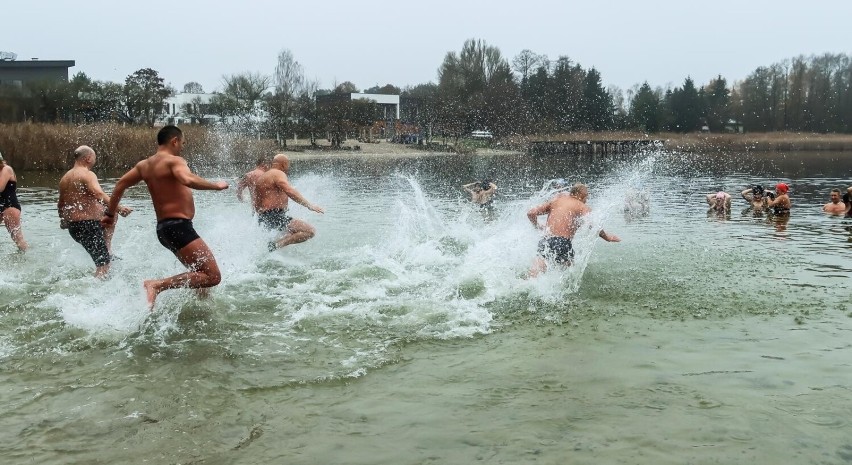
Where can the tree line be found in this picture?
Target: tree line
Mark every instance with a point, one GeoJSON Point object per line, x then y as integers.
{"type": "Point", "coordinates": [477, 88]}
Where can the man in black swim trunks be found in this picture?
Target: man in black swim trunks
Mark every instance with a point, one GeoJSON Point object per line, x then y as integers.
{"type": "Point", "coordinates": [170, 183]}
{"type": "Point", "coordinates": [565, 212]}
{"type": "Point", "coordinates": [81, 207]}
{"type": "Point", "coordinates": [273, 190]}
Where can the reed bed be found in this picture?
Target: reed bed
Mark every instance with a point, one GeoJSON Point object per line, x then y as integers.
{"type": "Point", "coordinates": [50, 147]}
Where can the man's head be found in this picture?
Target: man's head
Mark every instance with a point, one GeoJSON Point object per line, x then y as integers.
{"type": "Point", "coordinates": [262, 164]}
{"type": "Point", "coordinates": [281, 162]}
{"type": "Point", "coordinates": [85, 155]}
{"type": "Point", "coordinates": [721, 203]}
{"type": "Point", "coordinates": [848, 189]}
{"type": "Point", "coordinates": [757, 190]}
{"type": "Point", "coordinates": [485, 184]}
{"type": "Point", "coordinates": [170, 139]}
{"type": "Point", "coordinates": [580, 191]}
{"type": "Point", "coordinates": [781, 188]}
{"type": "Point", "coordinates": [835, 196]}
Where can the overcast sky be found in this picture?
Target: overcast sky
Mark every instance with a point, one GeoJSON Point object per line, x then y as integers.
{"type": "Point", "coordinates": [404, 43]}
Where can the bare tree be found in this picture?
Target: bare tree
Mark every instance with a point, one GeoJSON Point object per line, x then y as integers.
{"type": "Point", "coordinates": [525, 62]}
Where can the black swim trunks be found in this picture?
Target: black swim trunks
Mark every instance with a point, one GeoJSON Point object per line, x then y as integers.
{"type": "Point", "coordinates": [557, 248]}
{"type": "Point", "coordinates": [9, 197]}
{"type": "Point", "coordinates": [90, 234]}
{"type": "Point", "coordinates": [176, 233]}
{"type": "Point", "coordinates": [274, 219]}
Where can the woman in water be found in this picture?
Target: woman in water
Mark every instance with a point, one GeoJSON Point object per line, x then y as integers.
{"type": "Point", "coordinates": [10, 209]}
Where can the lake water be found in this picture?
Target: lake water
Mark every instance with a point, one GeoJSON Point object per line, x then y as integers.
{"type": "Point", "coordinates": [405, 332]}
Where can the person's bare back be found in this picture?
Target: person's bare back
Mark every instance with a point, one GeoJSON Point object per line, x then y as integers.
{"type": "Point", "coordinates": [271, 191]}
{"type": "Point", "coordinates": [172, 198]}
{"type": "Point", "coordinates": [564, 215]}
{"type": "Point", "coordinates": [170, 183]}
{"type": "Point", "coordinates": [565, 212]}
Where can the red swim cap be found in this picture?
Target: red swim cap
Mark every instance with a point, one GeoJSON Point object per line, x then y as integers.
{"type": "Point", "coordinates": [781, 187]}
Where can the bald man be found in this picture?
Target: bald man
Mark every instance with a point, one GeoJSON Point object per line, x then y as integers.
{"type": "Point", "coordinates": [273, 191]}
{"type": "Point", "coordinates": [81, 206]}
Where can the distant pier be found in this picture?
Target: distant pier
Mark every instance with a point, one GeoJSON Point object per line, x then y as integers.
{"type": "Point", "coordinates": [591, 147]}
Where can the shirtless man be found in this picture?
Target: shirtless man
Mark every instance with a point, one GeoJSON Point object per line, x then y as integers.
{"type": "Point", "coordinates": [273, 190]}
{"type": "Point", "coordinates": [781, 204]}
{"type": "Point", "coordinates": [249, 181]}
{"type": "Point", "coordinates": [565, 212]}
{"type": "Point", "coordinates": [81, 207]}
{"type": "Point", "coordinates": [170, 183]}
{"type": "Point", "coordinates": [719, 202]}
{"type": "Point", "coordinates": [755, 196]}
{"type": "Point", "coordinates": [835, 206]}
{"type": "Point", "coordinates": [481, 193]}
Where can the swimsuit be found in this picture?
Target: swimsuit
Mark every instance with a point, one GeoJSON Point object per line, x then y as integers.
{"type": "Point", "coordinates": [176, 233]}
{"type": "Point", "coordinates": [557, 248]}
{"type": "Point", "coordinates": [90, 234]}
{"type": "Point", "coordinates": [9, 197]}
{"type": "Point", "coordinates": [274, 219]}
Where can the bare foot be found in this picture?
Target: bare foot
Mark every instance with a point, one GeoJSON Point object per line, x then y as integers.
{"type": "Point", "coordinates": [150, 292]}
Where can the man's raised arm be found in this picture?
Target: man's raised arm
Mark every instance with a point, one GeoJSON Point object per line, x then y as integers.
{"type": "Point", "coordinates": [291, 192]}
{"type": "Point", "coordinates": [181, 172]}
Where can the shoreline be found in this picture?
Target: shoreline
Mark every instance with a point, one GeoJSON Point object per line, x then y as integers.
{"type": "Point", "coordinates": [48, 147]}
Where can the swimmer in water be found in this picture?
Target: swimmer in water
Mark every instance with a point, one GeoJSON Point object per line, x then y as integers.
{"type": "Point", "coordinates": [481, 193]}
{"type": "Point", "coordinates": [834, 206]}
{"type": "Point", "coordinates": [719, 203]}
{"type": "Point", "coordinates": [781, 204]}
{"type": "Point", "coordinates": [755, 196]}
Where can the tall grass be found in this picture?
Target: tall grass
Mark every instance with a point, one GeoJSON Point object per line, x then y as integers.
{"type": "Point", "coordinates": [50, 147]}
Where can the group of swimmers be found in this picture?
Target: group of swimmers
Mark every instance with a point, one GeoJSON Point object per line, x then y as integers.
{"type": "Point", "coordinates": [89, 214]}
{"type": "Point", "coordinates": [777, 202]}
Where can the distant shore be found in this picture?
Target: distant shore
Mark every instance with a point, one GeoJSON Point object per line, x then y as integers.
{"type": "Point", "coordinates": [48, 147]}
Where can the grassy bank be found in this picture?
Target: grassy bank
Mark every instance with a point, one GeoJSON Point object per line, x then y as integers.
{"type": "Point", "coordinates": [50, 147]}
{"type": "Point", "coordinates": [703, 142]}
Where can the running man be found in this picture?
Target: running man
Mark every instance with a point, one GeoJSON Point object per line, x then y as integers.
{"type": "Point", "coordinates": [565, 212]}
{"type": "Point", "coordinates": [10, 208]}
{"type": "Point", "coordinates": [274, 191]}
{"type": "Point", "coordinates": [81, 207]}
{"type": "Point", "coordinates": [170, 183]}
{"type": "Point", "coordinates": [834, 206]}
{"type": "Point", "coordinates": [249, 181]}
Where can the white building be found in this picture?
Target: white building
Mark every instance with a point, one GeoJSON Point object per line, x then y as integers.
{"type": "Point", "coordinates": [183, 107]}
{"type": "Point", "coordinates": [388, 103]}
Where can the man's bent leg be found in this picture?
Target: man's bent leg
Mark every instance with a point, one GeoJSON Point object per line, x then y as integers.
{"type": "Point", "coordinates": [297, 231]}
{"type": "Point", "coordinates": [203, 271]}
